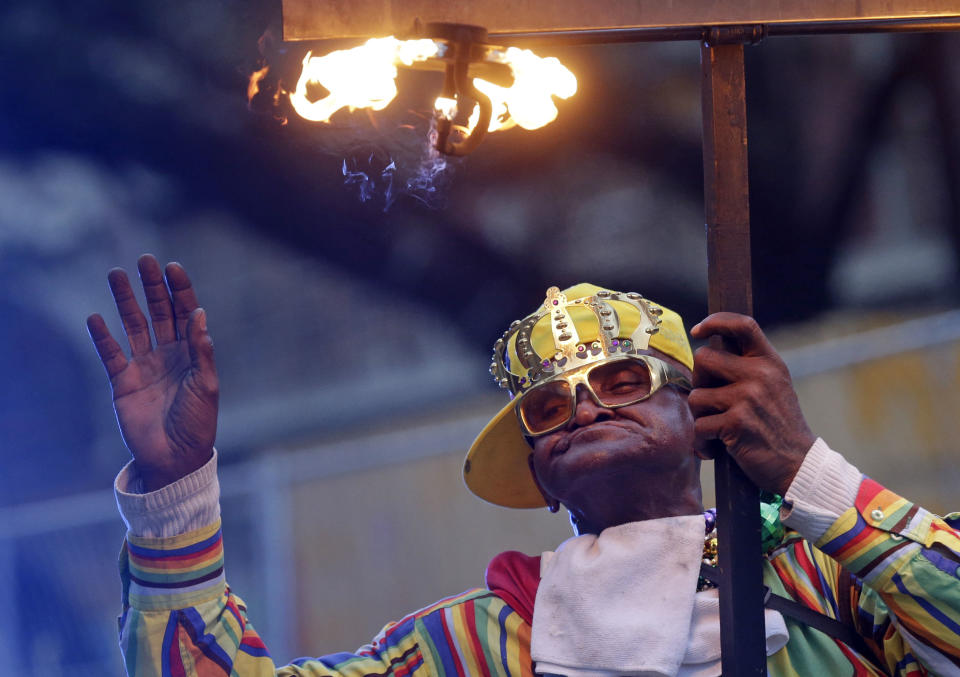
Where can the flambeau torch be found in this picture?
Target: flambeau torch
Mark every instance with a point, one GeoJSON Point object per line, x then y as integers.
{"type": "Point", "coordinates": [722, 27]}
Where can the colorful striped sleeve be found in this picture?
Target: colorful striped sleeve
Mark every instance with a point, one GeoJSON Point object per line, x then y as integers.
{"type": "Point", "coordinates": [180, 619]}
{"type": "Point", "coordinates": [906, 567]}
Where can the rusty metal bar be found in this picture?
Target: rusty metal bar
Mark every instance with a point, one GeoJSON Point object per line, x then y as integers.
{"type": "Point", "coordinates": [727, 211]}
{"type": "Point", "coordinates": [614, 36]}
{"type": "Point", "coordinates": [324, 19]}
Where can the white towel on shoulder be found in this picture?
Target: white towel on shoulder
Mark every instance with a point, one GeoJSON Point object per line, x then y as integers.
{"type": "Point", "coordinates": [621, 602]}
{"type": "Point", "coordinates": [625, 603]}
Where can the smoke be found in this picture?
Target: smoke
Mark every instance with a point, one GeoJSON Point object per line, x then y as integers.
{"type": "Point", "coordinates": [402, 164]}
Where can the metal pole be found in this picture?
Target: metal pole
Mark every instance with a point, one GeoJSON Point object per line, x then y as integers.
{"type": "Point", "coordinates": [727, 213]}
{"type": "Point", "coordinates": [610, 36]}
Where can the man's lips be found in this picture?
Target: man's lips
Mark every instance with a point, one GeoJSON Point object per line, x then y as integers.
{"type": "Point", "coordinates": [591, 432]}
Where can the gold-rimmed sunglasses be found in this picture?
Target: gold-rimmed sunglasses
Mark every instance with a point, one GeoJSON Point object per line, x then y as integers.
{"type": "Point", "coordinates": [613, 383]}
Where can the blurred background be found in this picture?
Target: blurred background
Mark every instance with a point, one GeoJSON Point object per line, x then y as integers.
{"type": "Point", "coordinates": [353, 315]}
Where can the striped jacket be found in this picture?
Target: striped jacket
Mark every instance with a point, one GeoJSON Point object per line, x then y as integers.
{"type": "Point", "coordinates": [887, 567]}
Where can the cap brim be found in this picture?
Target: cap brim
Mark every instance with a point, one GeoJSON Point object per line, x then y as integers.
{"type": "Point", "coordinates": [496, 468]}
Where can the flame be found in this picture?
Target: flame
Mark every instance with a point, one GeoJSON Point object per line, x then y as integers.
{"type": "Point", "coordinates": [529, 101]}
{"type": "Point", "coordinates": [365, 77]}
{"type": "Point", "coordinates": [253, 86]}
{"type": "Point", "coordinates": [362, 77]}
{"type": "Point", "coordinates": [446, 107]}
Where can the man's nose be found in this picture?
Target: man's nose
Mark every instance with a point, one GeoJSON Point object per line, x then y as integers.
{"type": "Point", "coordinates": [588, 410]}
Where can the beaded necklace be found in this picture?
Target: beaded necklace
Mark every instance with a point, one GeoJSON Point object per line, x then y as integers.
{"type": "Point", "coordinates": [771, 532]}
{"type": "Point", "coordinates": [709, 547]}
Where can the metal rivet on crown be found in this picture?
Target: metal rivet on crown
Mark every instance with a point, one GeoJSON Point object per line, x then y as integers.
{"type": "Point", "coordinates": [504, 383]}
{"type": "Point", "coordinates": [652, 330]}
{"type": "Point", "coordinates": [634, 295]}
{"type": "Point", "coordinates": [498, 344]}
{"type": "Point", "coordinates": [606, 312]}
{"type": "Point", "coordinates": [514, 324]}
{"type": "Point", "coordinates": [608, 327]}
{"type": "Point", "coordinates": [565, 337]}
{"type": "Point", "coordinates": [603, 293]}
{"type": "Point", "coordinates": [561, 325]}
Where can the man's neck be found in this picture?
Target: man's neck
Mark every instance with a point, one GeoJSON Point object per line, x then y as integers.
{"type": "Point", "coordinates": [613, 514]}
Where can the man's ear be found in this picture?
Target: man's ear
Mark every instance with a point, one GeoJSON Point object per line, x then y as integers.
{"type": "Point", "coordinates": [553, 505]}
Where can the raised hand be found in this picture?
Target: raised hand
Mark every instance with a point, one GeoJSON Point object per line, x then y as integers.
{"type": "Point", "coordinates": [748, 402]}
{"type": "Point", "coordinates": [165, 395]}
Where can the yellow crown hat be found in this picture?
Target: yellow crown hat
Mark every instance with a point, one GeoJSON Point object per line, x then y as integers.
{"type": "Point", "coordinates": [575, 327]}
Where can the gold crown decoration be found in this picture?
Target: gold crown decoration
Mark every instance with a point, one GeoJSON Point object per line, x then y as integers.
{"type": "Point", "coordinates": [520, 362]}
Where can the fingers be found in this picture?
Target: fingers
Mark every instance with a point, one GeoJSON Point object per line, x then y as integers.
{"type": "Point", "coordinates": [107, 347]}
{"type": "Point", "coordinates": [706, 450]}
{"type": "Point", "coordinates": [134, 321]}
{"type": "Point", "coordinates": [742, 328]}
{"type": "Point", "coordinates": [184, 297]}
{"type": "Point", "coordinates": [708, 401]}
{"type": "Point", "coordinates": [712, 409]}
{"type": "Point", "coordinates": [158, 299]}
{"type": "Point", "coordinates": [708, 406]}
{"type": "Point", "coordinates": [716, 427]}
{"type": "Point", "coordinates": [712, 367]}
{"type": "Point", "coordinates": [758, 360]}
{"type": "Point", "coordinates": [201, 349]}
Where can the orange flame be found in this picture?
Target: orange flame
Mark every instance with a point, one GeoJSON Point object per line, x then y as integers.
{"type": "Point", "coordinates": [365, 77]}
{"type": "Point", "coordinates": [529, 101]}
{"type": "Point", "coordinates": [253, 86]}
{"type": "Point", "coordinates": [362, 77]}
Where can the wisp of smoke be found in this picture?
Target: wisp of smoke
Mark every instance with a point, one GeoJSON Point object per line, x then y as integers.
{"type": "Point", "coordinates": [391, 166]}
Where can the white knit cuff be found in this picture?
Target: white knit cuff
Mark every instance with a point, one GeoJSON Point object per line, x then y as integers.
{"type": "Point", "coordinates": [189, 503]}
{"type": "Point", "coordinates": [824, 488]}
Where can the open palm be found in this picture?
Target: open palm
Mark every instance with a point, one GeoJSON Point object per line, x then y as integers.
{"type": "Point", "coordinates": [165, 395]}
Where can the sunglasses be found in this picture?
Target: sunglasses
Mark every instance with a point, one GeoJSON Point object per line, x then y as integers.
{"type": "Point", "coordinates": [614, 383]}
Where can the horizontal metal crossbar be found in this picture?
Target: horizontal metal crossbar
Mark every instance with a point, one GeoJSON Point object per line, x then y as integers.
{"type": "Point", "coordinates": [612, 20]}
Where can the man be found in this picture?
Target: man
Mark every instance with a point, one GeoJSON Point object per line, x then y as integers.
{"type": "Point", "coordinates": [609, 418]}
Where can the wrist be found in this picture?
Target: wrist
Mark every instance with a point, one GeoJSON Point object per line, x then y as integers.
{"type": "Point", "coordinates": [154, 478]}
{"type": "Point", "coordinates": [187, 504]}
{"type": "Point", "coordinates": [821, 492]}
{"type": "Point", "coordinates": [794, 462]}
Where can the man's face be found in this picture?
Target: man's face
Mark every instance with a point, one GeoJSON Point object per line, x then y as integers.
{"type": "Point", "coordinates": [640, 452]}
